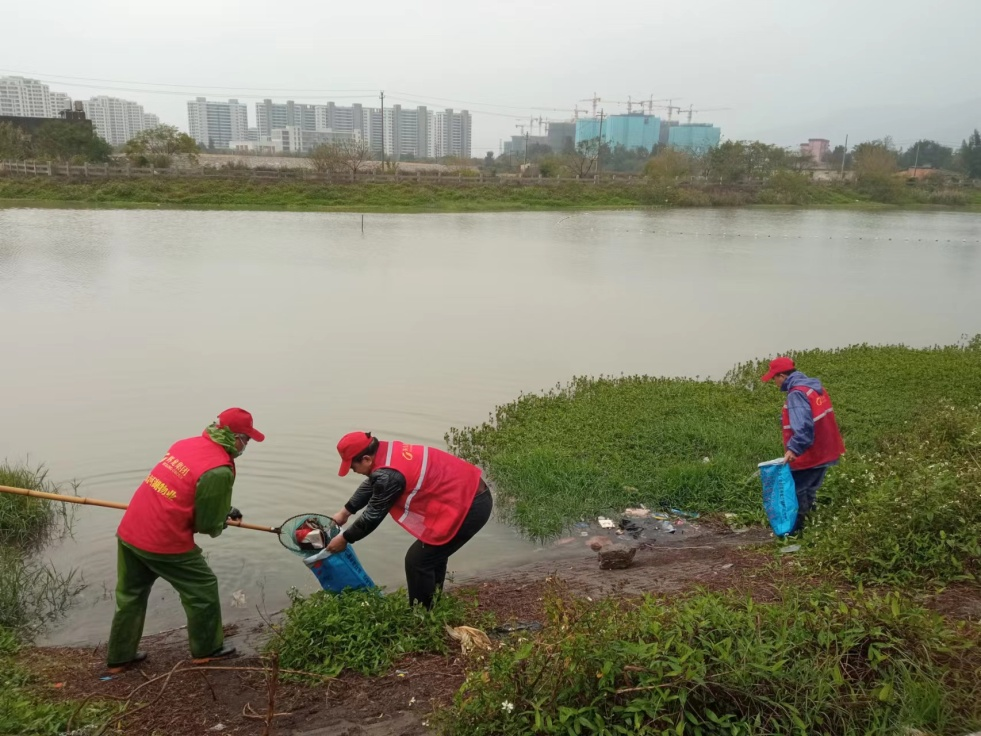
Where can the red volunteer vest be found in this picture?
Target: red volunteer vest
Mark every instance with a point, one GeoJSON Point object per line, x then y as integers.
{"type": "Point", "coordinates": [828, 445]}
{"type": "Point", "coordinates": [439, 489]}
{"type": "Point", "coordinates": [160, 518]}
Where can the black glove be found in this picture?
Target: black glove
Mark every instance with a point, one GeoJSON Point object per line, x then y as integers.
{"type": "Point", "coordinates": [234, 514]}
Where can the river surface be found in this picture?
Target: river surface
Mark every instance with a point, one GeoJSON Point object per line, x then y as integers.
{"type": "Point", "coordinates": [123, 331]}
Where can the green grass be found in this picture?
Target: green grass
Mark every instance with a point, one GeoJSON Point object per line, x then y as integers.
{"type": "Point", "coordinates": [365, 196]}
{"type": "Point", "coordinates": [598, 445]}
{"type": "Point", "coordinates": [25, 521]}
{"type": "Point", "coordinates": [26, 710]}
{"type": "Point", "coordinates": [360, 630]}
{"type": "Point", "coordinates": [810, 662]}
{"type": "Point", "coordinates": [909, 515]}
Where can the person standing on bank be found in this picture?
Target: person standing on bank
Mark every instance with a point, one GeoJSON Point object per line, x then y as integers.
{"type": "Point", "coordinates": [438, 498]}
{"type": "Point", "coordinates": [188, 492]}
{"type": "Point", "coordinates": [811, 437]}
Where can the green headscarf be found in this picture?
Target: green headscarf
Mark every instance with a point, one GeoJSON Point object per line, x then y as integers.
{"type": "Point", "coordinates": [224, 437]}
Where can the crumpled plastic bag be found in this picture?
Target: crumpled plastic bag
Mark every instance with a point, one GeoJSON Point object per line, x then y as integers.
{"type": "Point", "coordinates": [469, 638]}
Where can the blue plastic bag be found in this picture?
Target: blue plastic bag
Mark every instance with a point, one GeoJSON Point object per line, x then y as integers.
{"type": "Point", "coordinates": [779, 496]}
{"type": "Point", "coordinates": [338, 571]}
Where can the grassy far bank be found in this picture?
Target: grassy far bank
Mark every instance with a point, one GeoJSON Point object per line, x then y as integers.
{"type": "Point", "coordinates": [397, 197]}
{"type": "Point", "coordinates": [602, 444]}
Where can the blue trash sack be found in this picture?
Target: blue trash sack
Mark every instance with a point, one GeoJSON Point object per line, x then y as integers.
{"type": "Point", "coordinates": [335, 572]}
{"type": "Point", "coordinates": [779, 496]}
{"type": "Point", "coordinates": [338, 571]}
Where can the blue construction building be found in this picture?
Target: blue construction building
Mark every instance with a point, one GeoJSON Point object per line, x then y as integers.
{"type": "Point", "coordinates": [646, 131]}
{"type": "Point", "coordinates": [631, 131]}
{"type": "Point", "coordinates": [695, 138]}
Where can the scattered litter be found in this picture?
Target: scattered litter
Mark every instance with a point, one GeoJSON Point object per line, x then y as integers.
{"type": "Point", "coordinates": [728, 565]}
{"type": "Point", "coordinates": [789, 549]}
{"type": "Point", "coordinates": [637, 513]}
{"type": "Point", "coordinates": [630, 527]}
{"type": "Point", "coordinates": [729, 516]}
{"type": "Point", "coordinates": [401, 673]}
{"type": "Point", "coordinates": [238, 599]}
{"type": "Point", "coordinates": [583, 534]}
{"type": "Point", "coordinates": [706, 460]}
{"type": "Point", "coordinates": [104, 679]}
{"type": "Point", "coordinates": [582, 525]}
{"type": "Point", "coordinates": [469, 638]}
{"type": "Point", "coordinates": [218, 727]}
{"type": "Point", "coordinates": [606, 523]}
{"type": "Point", "coordinates": [680, 522]}
{"type": "Point", "coordinates": [564, 540]}
{"type": "Point", "coordinates": [61, 684]}
{"type": "Point", "coordinates": [667, 526]}
{"type": "Point", "coordinates": [739, 529]}
{"type": "Point", "coordinates": [517, 626]}
{"type": "Point", "coordinates": [686, 514]}
{"type": "Point", "coordinates": [660, 517]}
{"type": "Point", "coordinates": [412, 701]}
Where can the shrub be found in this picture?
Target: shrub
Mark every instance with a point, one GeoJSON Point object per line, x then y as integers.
{"type": "Point", "coordinates": [808, 663]}
{"type": "Point", "coordinates": [361, 630]}
{"type": "Point", "coordinates": [911, 513]}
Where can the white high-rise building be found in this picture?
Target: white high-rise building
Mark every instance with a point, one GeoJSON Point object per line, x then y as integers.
{"type": "Point", "coordinates": [216, 124]}
{"type": "Point", "coordinates": [115, 120]}
{"type": "Point", "coordinates": [150, 121]}
{"type": "Point", "coordinates": [450, 134]}
{"type": "Point", "coordinates": [30, 98]}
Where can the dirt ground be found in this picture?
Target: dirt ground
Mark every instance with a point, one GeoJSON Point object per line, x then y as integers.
{"type": "Point", "coordinates": [234, 698]}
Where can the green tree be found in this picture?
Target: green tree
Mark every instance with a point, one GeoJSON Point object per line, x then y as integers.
{"type": "Point", "coordinates": [875, 158]}
{"type": "Point", "coordinates": [14, 144]}
{"type": "Point", "coordinates": [60, 140]}
{"type": "Point", "coordinates": [926, 153]}
{"type": "Point", "coordinates": [158, 147]}
{"type": "Point", "coordinates": [876, 163]}
{"type": "Point", "coordinates": [970, 156]}
{"type": "Point", "coordinates": [669, 165]}
{"type": "Point", "coordinates": [728, 162]}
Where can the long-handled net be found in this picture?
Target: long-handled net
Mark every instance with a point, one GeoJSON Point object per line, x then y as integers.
{"type": "Point", "coordinates": [305, 535]}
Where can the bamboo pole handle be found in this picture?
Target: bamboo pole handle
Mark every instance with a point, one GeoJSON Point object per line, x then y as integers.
{"type": "Point", "coordinates": [109, 505]}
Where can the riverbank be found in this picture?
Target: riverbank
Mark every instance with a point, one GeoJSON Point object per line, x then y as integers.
{"type": "Point", "coordinates": [868, 622]}
{"type": "Point", "coordinates": [408, 697]}
{"type": "Point", "coordinates": [465, 195]}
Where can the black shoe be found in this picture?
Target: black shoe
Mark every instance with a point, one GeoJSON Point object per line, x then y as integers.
{"type": "Point", "coordinates": [225, 651]}
{"type": "Point", "coordinates": [115, 669]}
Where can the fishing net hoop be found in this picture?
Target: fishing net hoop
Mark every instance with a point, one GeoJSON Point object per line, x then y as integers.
{"type": "Point", "coordinates": [288, 528]}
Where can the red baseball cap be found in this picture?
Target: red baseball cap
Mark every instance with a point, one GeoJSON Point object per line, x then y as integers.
{"type": "Point", "coordinates": [240, 422]}
{"type": "Point", "coordinates": [779, 365]}
{"type": "Point", "coordinates": [351, 445]}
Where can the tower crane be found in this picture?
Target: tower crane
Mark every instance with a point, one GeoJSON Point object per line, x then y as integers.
{"type": "Point", "coordinates": [704, 109]}
{"type": "Point", "coordinates": [595, 100]}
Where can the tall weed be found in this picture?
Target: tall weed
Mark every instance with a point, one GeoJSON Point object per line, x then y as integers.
{"type": "Point", "coordinates": [811, 662]}
{"type": "Point", "coordinates": [361, 630]}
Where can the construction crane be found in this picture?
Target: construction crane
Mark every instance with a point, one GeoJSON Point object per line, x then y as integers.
{"type": "Point", "coordinates": [521, 127]}
{"type": "Point", "coordinates": [650, 105]}
{"type": "Point", "coordinates": [704, 109]}
{"type": "Point", "coordinates": [595, 100]}
{"type": "Point", "coordinates": [576, 111]}
{"type": "Point", "coordinates": [539, 120]}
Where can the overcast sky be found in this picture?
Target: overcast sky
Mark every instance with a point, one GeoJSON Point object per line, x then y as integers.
{"type": "Point", "coordinates": [785, 69]}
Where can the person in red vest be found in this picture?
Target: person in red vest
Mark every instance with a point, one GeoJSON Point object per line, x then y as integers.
{"type": "Point", "coordinates": [188, 492]}
{"type": "Point", "coordinates": [811, 437]}
{"type": "Point", "coordinates": [438, 498]}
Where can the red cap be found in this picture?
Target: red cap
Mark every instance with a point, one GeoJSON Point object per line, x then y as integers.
{"type": "Point", "coordinates": [351, 445]}
{"type": "Point", "coordinates": [240, 422]}
{"type": "Point", "coordinates": [779, 365]}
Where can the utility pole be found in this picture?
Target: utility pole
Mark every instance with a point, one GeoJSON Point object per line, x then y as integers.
{"type": "Point", "coordinates": [916, 160]}
{"type": "Point", "coordinates": [599, 143]}
{"type": "Point", "coordinates": [844, 155]}
{"type": "Point", "coordinates": [383, 131]}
